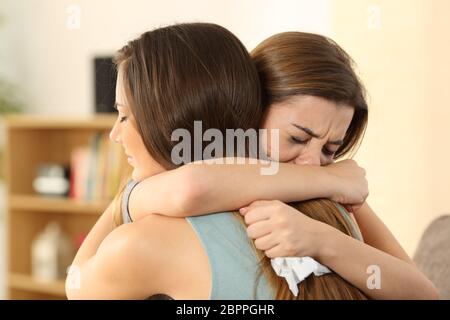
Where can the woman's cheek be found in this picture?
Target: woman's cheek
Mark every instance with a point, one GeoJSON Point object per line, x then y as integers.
{"type": "Point", "coordinates": [264, 144]}
{"type": "Point", "coordinates": [286, 152]}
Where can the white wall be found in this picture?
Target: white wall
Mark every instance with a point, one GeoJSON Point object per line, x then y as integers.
{"type": "Point", "coordinates": [402, 51]}
{"type": "Point", "coordinates": [52, 62]}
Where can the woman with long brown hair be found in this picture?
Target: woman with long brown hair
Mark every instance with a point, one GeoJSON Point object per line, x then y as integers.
{"type": "Point", "coordinates": [168, 78]}
{"type": "Point", "coordinates": [315, 100]}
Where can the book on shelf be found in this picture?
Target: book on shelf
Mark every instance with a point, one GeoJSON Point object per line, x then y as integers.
{"type": "Point", "coordinates": [96, 169]}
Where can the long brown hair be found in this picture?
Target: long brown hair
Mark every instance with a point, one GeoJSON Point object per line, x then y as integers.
{"type": "Point", "coordinates": [183, 73]}
{"type": "Point", "coordinates": [298, 63]}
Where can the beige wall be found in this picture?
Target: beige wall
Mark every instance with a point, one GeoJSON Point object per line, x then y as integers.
{"type": "Point", "coordinates": [402, 50]}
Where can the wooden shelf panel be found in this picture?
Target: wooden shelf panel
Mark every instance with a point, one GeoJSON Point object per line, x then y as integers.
{"type": "Point", "coordinates": [28, 283]}
{"type": "Point", "coordinates": [59, 205]}
{"type": "Point", "coordinates": [96, 122]}
{"type": "Point", "coordinates": [30, 141]}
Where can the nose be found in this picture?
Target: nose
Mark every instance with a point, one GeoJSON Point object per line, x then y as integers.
{"type": "Point", "coordinates": [114, 135]}
{"type": "Point", "coordinates": [309, 158]}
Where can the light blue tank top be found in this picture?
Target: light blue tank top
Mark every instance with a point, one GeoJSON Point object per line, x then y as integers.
{"type": "Point", "coordinates": [232, 260]}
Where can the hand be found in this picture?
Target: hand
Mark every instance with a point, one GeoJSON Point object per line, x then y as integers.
{"type": "Point", "coordinates": [282, 231]}
{"type": "Point", "coordinates": [351, 189]}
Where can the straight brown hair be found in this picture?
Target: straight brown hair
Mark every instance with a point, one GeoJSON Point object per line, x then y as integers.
{"type": "Point", "coordinates": [184, 73]}
{"type": "Point", "coordinates": [179, 74]}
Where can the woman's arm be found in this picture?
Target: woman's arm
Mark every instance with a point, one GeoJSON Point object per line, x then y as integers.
{"type": "Point", "coordinates": [361, 264]}
{"type": "Point", "coordinates": [90, 274]}
{"type": "Point", "coordinates": [196, 189]}
{"type": "Point", "coordinates": [101, 229]}
{"type": "Point", "coordinates": [280, 230]}
{"type": "Point", "coordinates": [377, 235]}
{"type": "Point", "coordinates": [110, 261]}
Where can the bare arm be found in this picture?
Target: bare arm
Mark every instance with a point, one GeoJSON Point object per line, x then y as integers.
{"type": "Point", "coordinates": [197, 189]}
{"type": "Point", "coordinates": [376, 273]}
{"type": "Point", "coordinates": [90, 274]}
{"type": "Point", "coordinates": [98, 233]}
{"type": "Point", "coordinates": [400, 278]}
{"type": "Point", "coordinates": [109, 265]}
{"type": "Point", "coordinates": [377, 235]}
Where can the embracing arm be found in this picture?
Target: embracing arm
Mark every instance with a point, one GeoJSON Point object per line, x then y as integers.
{"type": "Point", "coordinates": [400, 278]}
{"type": "Point", "coordinates": [197, 189]}
{"type": "Point", "coordinates": [376, 273]}
{"type": "Point", "coordinates": [377, 235]}
{"type": "Point", "coordinates": [102, 269]}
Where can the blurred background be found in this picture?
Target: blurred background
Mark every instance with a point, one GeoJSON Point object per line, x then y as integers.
{"type": "Point", "coordinates": [401, 48]}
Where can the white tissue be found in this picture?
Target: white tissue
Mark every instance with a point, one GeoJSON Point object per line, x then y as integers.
{"type": "Point", "coordinates": [295, 269]}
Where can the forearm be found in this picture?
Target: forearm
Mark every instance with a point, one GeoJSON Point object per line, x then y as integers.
{"type": "Point", "coordinates": [377, 235]}
{"type": "Point", "coordinates": [228, 187]}
{"type": "Point", "coordinates": [352, 259]}
{"type": "Point", "coordinates": [101, 269]}
{"type": "Point", "coordinates": [197, 189]}
{"type": "Point", "coordinates": [167, 193]}
{"type": "Point", "coordinates": [98, 233]}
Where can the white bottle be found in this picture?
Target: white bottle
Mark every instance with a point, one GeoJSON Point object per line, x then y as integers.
{"type": "Point", "coordinates": [51, 254]}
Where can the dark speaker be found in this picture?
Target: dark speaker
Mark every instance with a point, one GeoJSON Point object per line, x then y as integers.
{"type": "Point", "coordinates": [105, 76]}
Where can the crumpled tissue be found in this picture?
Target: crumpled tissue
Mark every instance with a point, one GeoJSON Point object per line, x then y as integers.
{"type": "Point", "coordinates": [296, 269]}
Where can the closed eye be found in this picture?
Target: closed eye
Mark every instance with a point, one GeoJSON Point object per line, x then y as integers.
{"type": "Point", "coordinates": [327, 152]}
{"type": "Point", "coordinates": [297, 140]}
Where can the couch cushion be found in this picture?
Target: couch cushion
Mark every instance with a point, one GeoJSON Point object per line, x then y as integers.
{"type": "Point", "coordinates": [432, 256]}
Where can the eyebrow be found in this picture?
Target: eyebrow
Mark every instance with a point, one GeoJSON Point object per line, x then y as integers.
{"type": "Point", "coordinates": [315, 135]}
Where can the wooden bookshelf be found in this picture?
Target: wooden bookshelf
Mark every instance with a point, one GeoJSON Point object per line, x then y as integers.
{"type": "Point", "coordinates": [30, 141]}
{"type": "Point", "coordinates": [24, 282]}
{"type": "Point", "coordinates": [37, 203]}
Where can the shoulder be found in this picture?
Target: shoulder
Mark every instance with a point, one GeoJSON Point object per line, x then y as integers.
{"type": "Point", "coordinates": [142, 242]}
{"type": "Point", "coordinates": [128, 264]}
{"type": "Point", "coordinates": [131, 262]}
{"type": "Point", "coordinates": [151, 249]}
